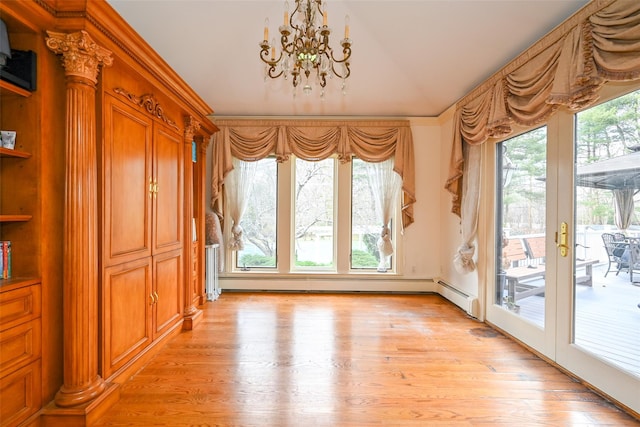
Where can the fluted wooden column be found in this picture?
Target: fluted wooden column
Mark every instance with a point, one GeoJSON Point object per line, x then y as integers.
{"type": "Point", "coordinates": [191, 313]}
{"type": "Point", "coordinates": [200, 191]}
{"type": "Point", "coordinates": [81, 59]}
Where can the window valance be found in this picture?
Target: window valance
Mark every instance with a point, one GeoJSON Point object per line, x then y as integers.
{"type": "Point", "coordinates": [566, 68]}
{"type": "Point", "coordinates": [372, 141]}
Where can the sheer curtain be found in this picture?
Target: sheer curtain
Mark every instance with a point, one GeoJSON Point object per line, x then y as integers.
{"type": "Point", "coordinates": [237, 191]}
{"type": "Point", "coordinates": [386, 185]}
{"type": "Point", "coordinates": [463, 259]}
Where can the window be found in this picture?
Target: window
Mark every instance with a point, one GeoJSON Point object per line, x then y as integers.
{"type": "Point", "coordinates": [365, 227]}
{"type": "Point", "coordinates": [259, 222]}
{"type": "Point", "coordinates": [521, 215]}
{"type": "Point", "coordinates": [314, 214]}
{"type": "Point", "coordinates": [314, 223]}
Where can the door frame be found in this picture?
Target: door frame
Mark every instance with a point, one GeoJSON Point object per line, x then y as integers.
{"type": "Point", "coordinates": [555, 342]}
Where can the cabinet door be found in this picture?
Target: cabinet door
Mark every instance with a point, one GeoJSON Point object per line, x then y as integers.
{"type": "Point", "coordinates": [168, 274]}
{"type": "Point", "coordinates": [168, 199]}
{"type": "Point", "coordinates": [20, 394]}
{"type": "Point", "coordinates": [126, 175]}
{"type": "Point", "coordinates": [127, 303]}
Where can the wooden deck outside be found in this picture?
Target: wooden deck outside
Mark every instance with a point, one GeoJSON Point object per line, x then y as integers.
{"type": "Point", "coordinates": [607, 320]}
{"type": "Point", "coordinates": [351, 360]}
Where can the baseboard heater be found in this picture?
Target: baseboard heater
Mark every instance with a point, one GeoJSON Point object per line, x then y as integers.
{"type": "Point", "coordinates": [468, 303]}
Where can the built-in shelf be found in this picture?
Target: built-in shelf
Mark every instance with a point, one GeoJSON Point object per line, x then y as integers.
{"type": "Point", "coordinates": [5, 152]}
{"type": "Point", "coordinates": [14, 218]}
{"type": "Point", "coordinates": [7, 88]}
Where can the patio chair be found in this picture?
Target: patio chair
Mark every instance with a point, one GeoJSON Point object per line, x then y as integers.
{"type": "Point", "coordinates": [615, 250]}
{"type": "Point", "coordinates": [619, 237]}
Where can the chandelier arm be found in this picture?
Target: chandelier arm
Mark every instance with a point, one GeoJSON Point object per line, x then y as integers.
{"type": "Point", "coordinates": [271, 71]}
{"type": "Point", "coordinates": [287, 46]}
{"type": "Point", "coordinates": [346, 54]}
{"type": "Point", "coordinates": [346, 67]}
{"type": "Point", "coordinates": [264, 56]}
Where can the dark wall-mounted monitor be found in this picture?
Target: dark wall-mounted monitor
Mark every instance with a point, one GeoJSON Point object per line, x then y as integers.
{"type": "Point", "coordinates": [21, 69]}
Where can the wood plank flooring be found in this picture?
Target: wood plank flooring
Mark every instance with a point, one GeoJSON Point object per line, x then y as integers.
{"type": "Point", "coordinates": [274, 359]}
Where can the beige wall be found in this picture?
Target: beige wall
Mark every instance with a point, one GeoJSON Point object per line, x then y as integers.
{"type": "Point", "coordinates": [428, 244]}
{"type": "Point", "coordinates": [422, 248]}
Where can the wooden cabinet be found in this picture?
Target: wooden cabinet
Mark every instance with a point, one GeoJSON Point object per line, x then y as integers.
{"type": "Point", "coordinates": [168, 291]}
{"type": "Point", "coordinates": [97, 199]}
{"type": "Point", "coordinates": [142, 175]}
{"type": "Point", "coordinates": [20, 352]}
{"type": "Point", "coordinates": [127, 300]}
{"type": "Point", "coordinates": [128, 183]}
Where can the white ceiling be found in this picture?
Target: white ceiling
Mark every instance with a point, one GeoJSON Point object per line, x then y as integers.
{"type": "Point", "coordinates": [411, 58]}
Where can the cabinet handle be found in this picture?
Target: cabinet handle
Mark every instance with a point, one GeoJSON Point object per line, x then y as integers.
{"type": "Point", "coordinates": [150, 187]}
{"type": "Point", "coordinates": [155, 294]}
{"type": "Point", "coordinates": [155, 189]}
{"type": "Point", "coordinates": [153, 301]}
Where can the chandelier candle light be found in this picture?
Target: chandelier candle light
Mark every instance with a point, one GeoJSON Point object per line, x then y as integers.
{"type": "Point", "coordinates": [304, 47]}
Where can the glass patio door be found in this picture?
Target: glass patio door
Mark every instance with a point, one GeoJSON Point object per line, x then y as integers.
{"type": "Point", "coordinates": [573, 184]}
{"type": "Point", "coordinates": [598, 316]}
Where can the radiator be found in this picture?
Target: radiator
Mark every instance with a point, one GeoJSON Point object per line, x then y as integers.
{"type": "Point", "coordinates": [212, 287]}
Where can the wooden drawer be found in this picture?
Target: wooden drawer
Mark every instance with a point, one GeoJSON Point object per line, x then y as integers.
{"type": "Point", "coordinates": [18, 306]}
{"type": "Point", "coordinates": [19, 346]}
{"type": "Point", "coordinates": [20, 394]}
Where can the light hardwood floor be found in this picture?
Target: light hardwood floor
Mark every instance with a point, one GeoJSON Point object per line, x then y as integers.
{"type": "Point", "coordinates": [311, 360]}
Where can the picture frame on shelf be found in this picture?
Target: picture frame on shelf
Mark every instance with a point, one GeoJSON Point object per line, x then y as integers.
{"type": "Point", "coordinates": [8, 138]}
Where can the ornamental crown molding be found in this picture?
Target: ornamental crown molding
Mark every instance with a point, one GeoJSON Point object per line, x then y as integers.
{"type": "Point", "coordinates": [81, 56]}
{"type": "Point", "coordinates": [149, 103]}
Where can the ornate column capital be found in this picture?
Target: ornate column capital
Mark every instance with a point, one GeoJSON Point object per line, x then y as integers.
{"type": "Point", "coordinates": [81, 56]}
{"type": "Point", "coordinates": [191, 127]}
{"type": "Point", "coordinates": [203, 144]}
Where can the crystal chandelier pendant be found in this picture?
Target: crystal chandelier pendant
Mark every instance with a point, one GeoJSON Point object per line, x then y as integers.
{"type": "Point", "coordinates": [307, 89]}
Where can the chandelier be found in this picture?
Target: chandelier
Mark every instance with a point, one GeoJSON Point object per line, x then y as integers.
{"type": "Point", "coordinates": [304, 48]}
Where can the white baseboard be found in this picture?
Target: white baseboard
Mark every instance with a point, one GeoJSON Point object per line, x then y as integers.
{"type": "Point", "coordinates": [468, 303]}
{"type": "Point", "coordinates": [327, 284]}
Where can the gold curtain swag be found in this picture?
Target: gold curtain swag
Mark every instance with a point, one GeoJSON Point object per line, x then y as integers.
{"type": "Point", "coordinates": [371, 141]}
{"type": "Point", "coordinates": [567, 68]}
